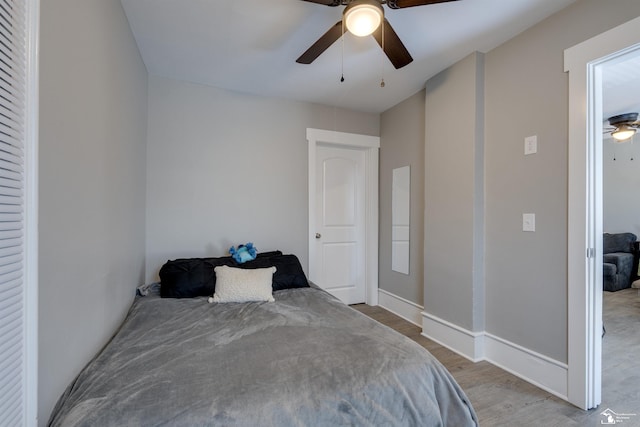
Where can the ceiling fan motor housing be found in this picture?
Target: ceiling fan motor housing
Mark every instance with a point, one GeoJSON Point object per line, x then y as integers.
{"type": "Point", "coordinates": [621, 119]}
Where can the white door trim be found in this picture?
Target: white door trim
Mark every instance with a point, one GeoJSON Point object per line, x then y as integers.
{"type": "Point", "coordinates": [584, 245]}
{"type": "Point", "coordinates": [370, 145]}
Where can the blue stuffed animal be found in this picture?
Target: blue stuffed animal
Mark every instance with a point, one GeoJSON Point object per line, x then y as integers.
{"type": "Point", "coordinates": [244, 253]}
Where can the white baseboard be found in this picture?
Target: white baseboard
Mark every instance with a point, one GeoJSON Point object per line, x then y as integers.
{"type": "Point", "coordinates": [409, 311]}
{"type": "Point", "coordinates": [537, 369]}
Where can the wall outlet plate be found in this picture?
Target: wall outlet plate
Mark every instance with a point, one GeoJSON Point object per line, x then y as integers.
{"type": "Point", "coordinates": [528, 222]}
{"type": "Point", "coordinates": [531, 145]}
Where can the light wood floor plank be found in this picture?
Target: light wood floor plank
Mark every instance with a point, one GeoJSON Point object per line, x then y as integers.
{"type": "Point", "coordinates": [502, 399]}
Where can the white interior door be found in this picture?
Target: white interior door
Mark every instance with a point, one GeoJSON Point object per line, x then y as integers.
{"type": "Point", "coordinates": [326, 267]}
{"type": "Point", "coordinates": [340, 222]}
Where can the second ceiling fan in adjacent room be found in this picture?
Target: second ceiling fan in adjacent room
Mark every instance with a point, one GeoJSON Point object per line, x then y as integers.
{"type": "Point", "coordinates": [623, 126]}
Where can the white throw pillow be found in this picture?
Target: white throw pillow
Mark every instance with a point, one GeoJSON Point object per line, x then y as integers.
{"type": "Point", "coordinates": [243, 284]}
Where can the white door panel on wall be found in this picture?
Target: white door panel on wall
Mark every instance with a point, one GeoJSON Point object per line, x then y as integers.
{"type": "Point", "coordinates": [340, 219]}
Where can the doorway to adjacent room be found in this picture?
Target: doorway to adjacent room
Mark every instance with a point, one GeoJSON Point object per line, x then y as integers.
{"type": "Point", "coordinates": [585, 63]}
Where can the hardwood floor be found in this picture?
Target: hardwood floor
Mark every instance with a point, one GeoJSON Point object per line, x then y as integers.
{"type": "Point", "coordinates": [502, 399]}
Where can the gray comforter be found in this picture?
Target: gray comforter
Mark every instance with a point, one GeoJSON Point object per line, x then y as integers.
{"type": "Point", "coordinates": [304, 360]}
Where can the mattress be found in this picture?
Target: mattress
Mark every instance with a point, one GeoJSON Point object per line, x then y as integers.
{"type": "Point", "coordinates": [304, 360]}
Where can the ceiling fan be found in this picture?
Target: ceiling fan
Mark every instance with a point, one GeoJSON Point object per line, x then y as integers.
{"type": "Point", "coordinates": [623, 126]}
{"type": "Point", "coordinates": [363, 18]}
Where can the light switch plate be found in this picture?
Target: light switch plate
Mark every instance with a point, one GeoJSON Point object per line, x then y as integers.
{"type": "Point", "coordinates": [531, 145]}
{"type": "Point", "coordinates": [528, 222]}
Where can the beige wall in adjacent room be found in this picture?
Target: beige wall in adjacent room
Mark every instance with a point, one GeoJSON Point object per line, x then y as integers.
{"type": "Point", "coordinates": [620, 183]}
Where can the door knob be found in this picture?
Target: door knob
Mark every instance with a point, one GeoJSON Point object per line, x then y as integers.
{"type": "Point", "coordinates": [318, 235]}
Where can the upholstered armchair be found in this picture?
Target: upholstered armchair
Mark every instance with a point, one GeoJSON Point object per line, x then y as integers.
{"type": "Point", "coordinates": [620, 258]}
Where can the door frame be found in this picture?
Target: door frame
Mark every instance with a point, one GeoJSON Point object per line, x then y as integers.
{"type": "Point", "coordinates": [584, 240]}
{"type": "Point", "coordinates": [371, 146]}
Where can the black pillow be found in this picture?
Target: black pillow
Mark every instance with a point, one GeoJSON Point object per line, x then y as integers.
{"type": "Point", "coordinates": [289, 273]}
{"type": "Point", "coordinates": [191, 277]}
{"type": "Point", "coordinates": [268, 254]}
{"type": "Point", "coordinates": [195, 277]}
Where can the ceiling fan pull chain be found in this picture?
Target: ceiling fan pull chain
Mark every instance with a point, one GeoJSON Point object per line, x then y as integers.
{"type": "Point", "coordinates": [382, 57]}
{"type": "Point", "coordinates": [342, 61]}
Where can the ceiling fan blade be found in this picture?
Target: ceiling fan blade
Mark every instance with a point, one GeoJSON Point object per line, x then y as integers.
{"type": "Point", "coordinates": [392, 46]}
{"type": "Point", "coordinates": [322, 44]}
{"type": "Point", "coordinates": [326, 2]}
{"type": "Point", "coordinates": [401, 4]}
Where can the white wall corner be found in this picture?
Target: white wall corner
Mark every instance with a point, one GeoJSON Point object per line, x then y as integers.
{"type": "Point", "coordinates": [408, 310]}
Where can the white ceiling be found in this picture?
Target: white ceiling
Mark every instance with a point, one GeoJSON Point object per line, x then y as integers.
{"type": "Point", "coordinates": [621, 86]}
{"type": "Point", "coordinates": [251, 45]}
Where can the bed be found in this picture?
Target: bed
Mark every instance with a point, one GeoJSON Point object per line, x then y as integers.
{"type": "Point", "coordinates": [304, 359]}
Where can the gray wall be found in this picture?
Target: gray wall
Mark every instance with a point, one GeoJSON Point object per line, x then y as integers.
{"type": "Point", "coordinates": [402, 144]}
{"type": "Point", "coordinates": [92, 184]}
{"type": "Point", "coordinates": [524, 296]}
{"type": "Point", "coordinates": [620, 181]}
{"type": "Point", "coordinates": [453, 271]}
{"type": "Point", "coordinates": [526, 94]}
{"type": "Point", "coordinates": [225, 168]}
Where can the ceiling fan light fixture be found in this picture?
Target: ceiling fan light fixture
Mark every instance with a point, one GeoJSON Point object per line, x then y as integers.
{"type": "Point", "coordinates": [623, 132]}
{"type": "Point", "coordinates": [363, 17]}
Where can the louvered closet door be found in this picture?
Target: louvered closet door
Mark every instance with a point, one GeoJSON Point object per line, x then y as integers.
{"type": "Point", "coordinates": [13, 62]}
